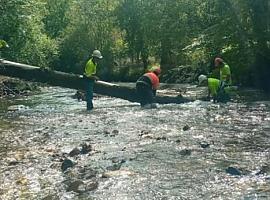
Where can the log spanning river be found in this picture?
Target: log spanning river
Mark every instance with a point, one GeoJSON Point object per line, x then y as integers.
{"type": "Point", "coordinates": [52, 149]}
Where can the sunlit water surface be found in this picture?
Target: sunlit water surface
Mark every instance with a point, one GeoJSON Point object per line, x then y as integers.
{"type": "Point", "coordinates": [163, 149]}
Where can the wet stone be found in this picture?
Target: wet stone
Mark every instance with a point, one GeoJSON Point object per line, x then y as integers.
{"type": "Point", "coordinates": [265, 169]}
{"type": "Point", "coordinates": [86, 148]}
{"type": "Point", "coordinates": [51, 197]}
{"type": "Point", "coordinates": [91, 185]}
{"type": "Point", "coordinates": [13, 161]}
{"type": "Point", "coordinates": [233, 171]}
{"type": "Point", "coordinates": [118, 160]}
{"type": "Point", "coordinates": [74, 186]}
{"type": "Point", "coordinates": [204, 145]}
{"type": "Point", "coordinates": [74, 152]}
{"type": "Point", "coordinates": [161, 138]}
{"type": "Point", "coordinates": [87, 173]}
{"type": "Point", "coordinates": [115, 132]}
{"type": "Point", "coordinates": [186, 128]}
{"type": "Point", "coordinates": [185, 152]}
{"type": "Point", "coordinates": [66, 164]}
{"type": "Point", "coordinates": [114, 167]}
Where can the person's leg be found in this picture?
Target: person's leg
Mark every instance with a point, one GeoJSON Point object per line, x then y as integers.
{"type": "Point", "coordinates": [140, 89]}
{"type": "Point", "coordinates": [89, 94]}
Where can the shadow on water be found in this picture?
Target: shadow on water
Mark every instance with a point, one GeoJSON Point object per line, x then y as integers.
{"type": "Point", "coordinates": [185, 151]}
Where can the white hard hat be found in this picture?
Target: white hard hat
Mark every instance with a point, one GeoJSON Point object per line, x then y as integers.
{"type": "Point", "coordinates": [202, 78]}
{"type": "Point", "coordinates": [96, 53]}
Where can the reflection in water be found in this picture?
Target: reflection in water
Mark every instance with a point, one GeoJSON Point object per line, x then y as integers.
{"type": "Point", "coordinates": [159, 158]}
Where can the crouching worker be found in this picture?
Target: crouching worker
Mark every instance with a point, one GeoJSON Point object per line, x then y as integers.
{"type": "Point", "coordinates": [217, 89]}
{"type": "Point", "coordinates": [146, 87]}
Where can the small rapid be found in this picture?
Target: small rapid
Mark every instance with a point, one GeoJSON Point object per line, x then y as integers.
{"type": "Point", "coordinates": [196, 150]}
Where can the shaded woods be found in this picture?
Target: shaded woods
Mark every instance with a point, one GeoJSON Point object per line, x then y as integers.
{"type": "Point", "coordinates": [60, 34]}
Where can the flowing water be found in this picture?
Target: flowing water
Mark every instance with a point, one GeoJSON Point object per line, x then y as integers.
{"type": "Point", "coordinates": [180, 151]}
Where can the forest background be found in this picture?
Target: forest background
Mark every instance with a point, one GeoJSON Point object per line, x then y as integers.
{"type": "Point", "coordinates": [183, 36]}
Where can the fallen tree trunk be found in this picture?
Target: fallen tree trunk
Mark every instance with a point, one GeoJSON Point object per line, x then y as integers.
{"type": "Point", "coordinates": [74, 81]}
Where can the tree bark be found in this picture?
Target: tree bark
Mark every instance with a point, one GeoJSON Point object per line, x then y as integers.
{"type": "Point", "coordinates": [74, 81]}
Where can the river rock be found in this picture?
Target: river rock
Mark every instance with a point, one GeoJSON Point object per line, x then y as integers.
{"type": "Point", "coordinates": [265, 169]}
{"type": "Point", "coordinates": [74, 152]}
{"type": "Point", "coordinates": [114, 167]}
{"type": "Point", "coordinates": [91, 185]}
{"type": "Point", "coordinates": [86, 148]}
{"type": "Point", "coordinates": [67, 163]}
{"type": "Point", "coordinates": [87, 173]}
{"type": "Point", "coordinates": [204, 145]}
{"type": "Point", "coordinates": [51, 197]}
{"type": "Point", "coordinates": [233, 171]}
{"type": "Point", "coordinates": [116, 173]}
{"type": "Point", "coordinates": [74, 186]}
{"type": "Point", "coordinates": [186, 128]}
{"type": "Point", "coordinates": [16, 108]}
{"type": "Point", "coordinates": [185, 152]}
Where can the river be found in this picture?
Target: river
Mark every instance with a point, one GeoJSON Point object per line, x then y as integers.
{"type": "Point", "coordinates": [196, 150]}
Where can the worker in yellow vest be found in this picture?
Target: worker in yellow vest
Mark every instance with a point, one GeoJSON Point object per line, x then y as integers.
{"type": "Point", "coordinates": [225, 71]}
{"type": "Point", "coordinates": [90, 77]}
{"type": "Point", "coordinates": [217, 90]}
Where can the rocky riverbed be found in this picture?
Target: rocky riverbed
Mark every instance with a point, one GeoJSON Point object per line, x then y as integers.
{"type": "Point", "coordinates": [51, 148]}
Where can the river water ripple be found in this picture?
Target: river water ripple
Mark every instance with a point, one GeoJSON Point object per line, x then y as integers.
{"type": "Point", "coordinates": [174, 152]}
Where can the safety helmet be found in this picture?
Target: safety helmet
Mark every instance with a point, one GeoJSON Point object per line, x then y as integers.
{"type": "Point", "coordinates": [202, 78]}
{"type": "Point", "coordinates": [97, 54]}
{"type": "Point", "coordinates": [218, 61]}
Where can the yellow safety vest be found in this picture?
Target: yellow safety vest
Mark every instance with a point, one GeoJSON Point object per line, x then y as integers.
{"type": "Point", "coordinates": [213, 85]}
{"type": "Point", "coordinates": [90, 68]}
{"type": "Point", "coordinates": [224, 72]}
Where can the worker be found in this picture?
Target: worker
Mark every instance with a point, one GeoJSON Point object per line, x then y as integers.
{"type": "Point", "coordinates": [90, 77]}
{"type": "Point", "coordinates": [217, 90]}
{"type": "Point", "coordinates": [224, 71]}
{"type": "Point", "coordinates": [146, 87]}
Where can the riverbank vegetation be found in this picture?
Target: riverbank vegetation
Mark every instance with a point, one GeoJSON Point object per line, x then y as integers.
{"type": "Point", "coordinates": [61, 34]}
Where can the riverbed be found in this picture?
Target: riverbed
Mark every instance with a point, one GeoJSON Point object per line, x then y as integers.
{"type": "Point", "coordinates": [196, 150]}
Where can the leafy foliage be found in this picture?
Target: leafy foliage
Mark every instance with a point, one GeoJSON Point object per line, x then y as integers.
{"type": "Point", "coordinates": [62, 34]}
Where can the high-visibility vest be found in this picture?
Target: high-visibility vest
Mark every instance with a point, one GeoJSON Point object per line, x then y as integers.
{"type": "Point", "coordinates": [213, 86]}
{"type": "Point", "coordinates": [224, 72]}
{"type": "Point", "coordinates": [90, 68]}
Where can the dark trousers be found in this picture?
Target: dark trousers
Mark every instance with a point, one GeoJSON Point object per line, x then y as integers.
{"type": "Point", "coordinates": [145, 94]}
{"type": "Point", "coordinates": [89, 89]}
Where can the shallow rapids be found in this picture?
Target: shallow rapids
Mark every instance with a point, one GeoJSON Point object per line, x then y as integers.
{"type": "Point", "coordinates": [185, 151]}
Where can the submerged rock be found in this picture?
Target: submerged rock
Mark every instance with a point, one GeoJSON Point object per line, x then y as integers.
{"type": "Point", "coordinates": [185, 152]}
{"type": "Point", "coordinates": [74, 185]}
{"type": "Point", "coordinates": [86, 148]}
{"type": "Point", "coordinates": [114, 167]}
{"type": "Point", "coordinates": [67, 163]}
{"type": "Point", "coordinates": [74, 152]}
{"type": "Point", "coordinates": [51, 197]}
{"type": "Point", "coordinates": [16, 108]}
{"type": "Point", "coordinates": [186, 128]}
{"type": "Point", "coordinates": [81, 186]}
{"type": "Point", "coordinates": [110, 174]}
{"type": "Point", "coordinates": [87, 173]}
{"type": "Point", "coordinates": [204, 145]}
{"type": "Point", "coordinates": [265, 169]}
{"type": "Point", "coordinates": [233, 171]}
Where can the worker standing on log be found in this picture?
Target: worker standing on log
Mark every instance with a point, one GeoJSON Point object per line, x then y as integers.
{"type": "Point", "coordinates": [146, 87]}
{"type": "Point", "coordinates": [90, 77]}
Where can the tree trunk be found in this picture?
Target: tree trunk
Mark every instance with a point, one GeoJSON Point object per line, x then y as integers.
{"type": "Point", "coordinates": [74, 81]}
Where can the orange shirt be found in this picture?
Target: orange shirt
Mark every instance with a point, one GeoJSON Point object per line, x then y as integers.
{"type": "Point", "coordinates": [154, 79]}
